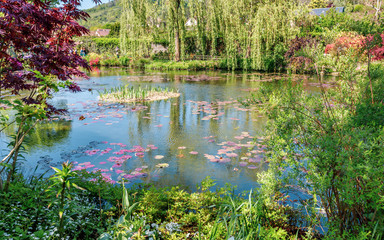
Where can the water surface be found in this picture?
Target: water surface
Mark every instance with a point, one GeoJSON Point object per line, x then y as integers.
{"type": "Point", "coordinates": [204, 132]}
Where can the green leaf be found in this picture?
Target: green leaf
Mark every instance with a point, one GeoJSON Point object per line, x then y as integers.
{"type": "Point", "coordinates": [76, 186]}
{"type": "Point", "coordinates": [121, 220]}
{"type": "Point", "coordinates": [105, 236]}
{"type": "Point", "coordinates": [56, 169]}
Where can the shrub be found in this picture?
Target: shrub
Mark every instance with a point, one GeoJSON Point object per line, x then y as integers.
{"type": "Point", "coordinates": [298, 57]}
{"type": "Point", "coordinates": [345, 42]}
{"type": "Point", "coordinates": [317, 148]}
{"type": "Point", "coordinates": [358, 8]}
{"type": "Point", "coordinates": [318, 4]}
{"type": "Point", "coordinates": [99, 45]}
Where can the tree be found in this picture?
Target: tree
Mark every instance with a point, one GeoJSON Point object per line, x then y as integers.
{"type": "Point", "coordinates": [176, 22]}
{"type": "Point", "coordinates": [138, 25]}
{"type": "Point", "coordinates": [36, 48]}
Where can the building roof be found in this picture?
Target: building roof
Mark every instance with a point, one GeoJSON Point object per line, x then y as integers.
{"type": "Point", "coordinates": [102, 32]}
{"type": "Point", "coordinates": [323, 11]}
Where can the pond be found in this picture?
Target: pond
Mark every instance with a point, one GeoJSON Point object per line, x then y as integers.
{"type": "Point", "coordinates": [179, 141]}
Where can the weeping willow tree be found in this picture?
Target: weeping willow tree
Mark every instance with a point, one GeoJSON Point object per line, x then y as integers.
{"type": "Point", "coordinates": [198, 12]}
{"type": "Point", "coordinates": [138, 24]}
{"type": "Point", "coordinates": [249, 31]}
{"type": "Point", "coordinates": [273, 27]}
{"type": "Point", "coordinates": [142, 21]}
{"type": "Point", "coordinates": [176, 27]}
{"type": "Point", "coordinates": [248, 34]}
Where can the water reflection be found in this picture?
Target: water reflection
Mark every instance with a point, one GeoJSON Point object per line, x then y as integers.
{"type": "Point", "coordinates": [48, 134]}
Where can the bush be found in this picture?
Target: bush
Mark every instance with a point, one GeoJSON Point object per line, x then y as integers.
{"type": "Point", "coordinates": [321, 150]}
{"type": "Point", "coordinates": [318, 4]}
{"type": "Point", "coordinates": [368, 114]}
{"type": "Point", "coordinates": [299, 56]}
{"type": "Point", "coordinates": [345, 42]}
{"type": "Point", "coordinates": [358, 8]}
{"type": "Point", "coordinates": [99, 45]}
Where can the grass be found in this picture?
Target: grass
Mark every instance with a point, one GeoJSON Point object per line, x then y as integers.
{"type": "Point", "coordinates": [132, 94]}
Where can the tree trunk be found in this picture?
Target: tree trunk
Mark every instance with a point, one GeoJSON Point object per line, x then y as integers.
{"type": "Point", "coordinates": [177, 45]}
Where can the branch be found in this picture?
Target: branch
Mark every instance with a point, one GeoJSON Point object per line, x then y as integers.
{"type": "Point", "coordinates": [19, 143]}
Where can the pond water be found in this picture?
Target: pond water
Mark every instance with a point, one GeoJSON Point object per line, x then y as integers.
{"type": "Point", "coordinates": [179, 141]}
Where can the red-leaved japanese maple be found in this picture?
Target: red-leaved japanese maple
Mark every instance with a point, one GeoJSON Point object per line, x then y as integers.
{"type": "Point", "coordinates": [36, 42]}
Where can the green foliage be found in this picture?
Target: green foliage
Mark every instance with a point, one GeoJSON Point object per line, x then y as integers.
{"type": "Point", "coordinates": [63, 181]}
{"type": "Point", "coordinates": [26, 215]}
{"type": "Point", "coordinates": [173, 213]}
{"type": "Point", "coordinates": [320, 145]}
{"type": "Point", "coordinates": [99, 45]}
{"type": "Point", "coordinates": [368, 114]}
{"type": "Point", "coordinates": [358, 8]}
{"type": "Point", "coordinates": [115, 29]}
{"type": "Point", "coordinates": [102, 14]}
{"type": "Point", "coordinates": [139, 23]}
{"type": "Point", "coordinates": [318, 4]}
{"type": "Point", "coordinates": [337, 22]}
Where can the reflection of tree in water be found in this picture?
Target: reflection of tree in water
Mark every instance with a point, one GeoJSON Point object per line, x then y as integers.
{"type": "Point", "coordinates": [47, 134]}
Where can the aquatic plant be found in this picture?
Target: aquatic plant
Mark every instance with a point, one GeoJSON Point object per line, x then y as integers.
{"type": "Point", "coordinates": [135, 94]}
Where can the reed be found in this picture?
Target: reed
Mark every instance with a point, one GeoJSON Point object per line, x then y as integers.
{"type": "Point", "coordinates": [136, 94]}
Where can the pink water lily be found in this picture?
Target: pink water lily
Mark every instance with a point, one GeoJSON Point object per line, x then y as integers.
{"type": "Point", "coordinates": [193, 152]}
{"type": "Point", "coordinates": [85, 163]}
{"type": "Point", "coordinates": [139, 154]}
{"type": "Point", "coordinates": [128, 176]}
{"type": "Point", "coordinates": [231, 154]}
{"type": "Point", "coordinates": [224, 160]}
{"type": "Point", "coordinates": [78, 168]}
{"type": "Point", "coordinates": [92, 152]}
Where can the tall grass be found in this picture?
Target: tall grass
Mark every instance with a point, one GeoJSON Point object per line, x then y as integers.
{"type": "Point", "coordinates": [134, 94]}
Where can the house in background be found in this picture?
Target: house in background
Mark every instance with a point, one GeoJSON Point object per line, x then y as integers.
{"type": "Point", "coordinates": [99, 33]}
{"type": "Point", "coordinates": [323, 11]}
{"type": "Point", "coordinates": [191, 22]}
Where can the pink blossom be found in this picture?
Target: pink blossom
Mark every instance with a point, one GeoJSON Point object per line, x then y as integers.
{"type": "Point", "coordinates": [242, 164]}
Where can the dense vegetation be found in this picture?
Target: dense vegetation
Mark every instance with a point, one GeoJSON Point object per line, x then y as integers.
{"type": "Point", "coordinates": [225, 33]}
{"type": "Point", "coordinates": [327, 146]}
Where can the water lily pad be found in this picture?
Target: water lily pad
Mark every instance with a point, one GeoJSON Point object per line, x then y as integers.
{"type": "Point", "coordinates": [162, 165]}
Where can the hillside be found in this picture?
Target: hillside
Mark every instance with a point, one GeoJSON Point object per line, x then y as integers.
{"type": "Point", "coordinates": [103, 14]}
